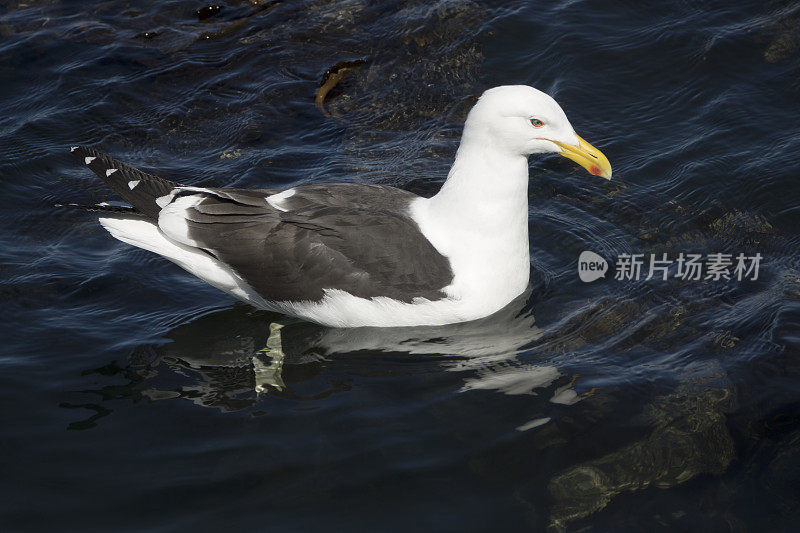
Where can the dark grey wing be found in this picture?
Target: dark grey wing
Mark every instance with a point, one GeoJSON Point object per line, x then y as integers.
{"type": "Point", "coordinates": [351, 237]}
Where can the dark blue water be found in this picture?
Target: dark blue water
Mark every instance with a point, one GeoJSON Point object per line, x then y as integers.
{"type": "Point", "coordinates": [134, 397]}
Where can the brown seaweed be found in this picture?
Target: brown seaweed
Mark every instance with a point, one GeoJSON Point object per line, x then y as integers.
{"type": "Point", "coordinates": [331, 78]}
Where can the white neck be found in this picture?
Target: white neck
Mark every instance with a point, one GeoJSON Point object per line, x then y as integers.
{"type": "Point", "coordinates": [479, 220]}
{"type": "Point", "coordinates": [484, 181]}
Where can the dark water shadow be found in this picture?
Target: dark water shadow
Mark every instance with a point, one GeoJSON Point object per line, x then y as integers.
{"type": "Point", "coordinates": [232, 359]}
{"type": "Point", "coordinates": [239, 360]}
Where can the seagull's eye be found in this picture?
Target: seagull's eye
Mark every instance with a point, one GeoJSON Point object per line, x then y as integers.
{"type": "Point", "coordinates": [536, 123]}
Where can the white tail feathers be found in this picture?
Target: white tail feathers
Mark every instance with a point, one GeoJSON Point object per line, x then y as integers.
{"type": "Point", "coordinates": [146, 235]}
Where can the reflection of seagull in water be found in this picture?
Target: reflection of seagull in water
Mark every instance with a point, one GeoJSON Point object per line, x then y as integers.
{"type": "Point", "coordinates": [232, 352]}
{"type": "Point", "coordinates": [349, 254]}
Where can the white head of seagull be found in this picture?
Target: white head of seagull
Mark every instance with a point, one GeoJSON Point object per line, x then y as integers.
{"type": "Point", "coordinates": [517, 120]}
{"type": "Point", "coordinates": [479, 218]}
{"type": "Point", "coordinates": [506, 125]}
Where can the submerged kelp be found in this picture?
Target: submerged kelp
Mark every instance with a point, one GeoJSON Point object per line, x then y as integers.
{"type": "Point", "coordinates": [690, 437]}
{"type": "Point", "coordinates": [785, 40]}
{"type": "Point", "coordinates": [431, 65]}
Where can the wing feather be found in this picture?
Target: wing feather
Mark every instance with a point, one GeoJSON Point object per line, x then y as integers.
{"type": "Point", "coordinates": [349, 237]}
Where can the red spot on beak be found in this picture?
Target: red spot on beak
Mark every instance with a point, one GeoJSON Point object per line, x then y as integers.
{"type": "Point", "coordinates": [594, 170]}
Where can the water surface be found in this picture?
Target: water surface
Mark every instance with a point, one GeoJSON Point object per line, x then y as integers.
{"type": "Point", "coordinates": [135, 397]}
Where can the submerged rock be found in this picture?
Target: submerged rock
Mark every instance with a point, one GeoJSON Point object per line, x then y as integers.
{"type": "Point", "coordinates": [424, 69]}
{"type": "Point", "coordinates": [785, 42]}
{"type": "Point", "coordinates": [690, 438]}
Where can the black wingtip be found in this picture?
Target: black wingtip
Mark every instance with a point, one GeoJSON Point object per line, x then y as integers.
{"type": "Point", "coordinates": [134, 186]}
{"type": "Point", "coordinates": [84, 155]}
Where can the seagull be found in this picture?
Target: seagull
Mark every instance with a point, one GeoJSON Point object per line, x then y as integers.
{"type": "Point", "coordinates": [356, 254]}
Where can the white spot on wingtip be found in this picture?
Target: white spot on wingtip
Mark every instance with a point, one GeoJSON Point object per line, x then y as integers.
{"type": "Point", "coordinates": [163, 201]}
{"type": "Point", "coordinates": [132, 184]}
{"type": "Point", "coordinates": [73, 148]}
{"type": "Point", "coordinates": [110, 171]}
{"type": "Point", "coordinates": [88, 160]}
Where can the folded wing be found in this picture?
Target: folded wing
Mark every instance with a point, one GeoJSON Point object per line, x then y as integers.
{"type": "Point", "coordinates": [350, 237]}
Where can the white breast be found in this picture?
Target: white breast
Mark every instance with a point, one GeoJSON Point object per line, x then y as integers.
{"type": "Point", "coordinates": [489, 256]}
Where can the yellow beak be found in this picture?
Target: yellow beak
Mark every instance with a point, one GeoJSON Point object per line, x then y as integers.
{"type": "Point", "coordinates": [586, 156]}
